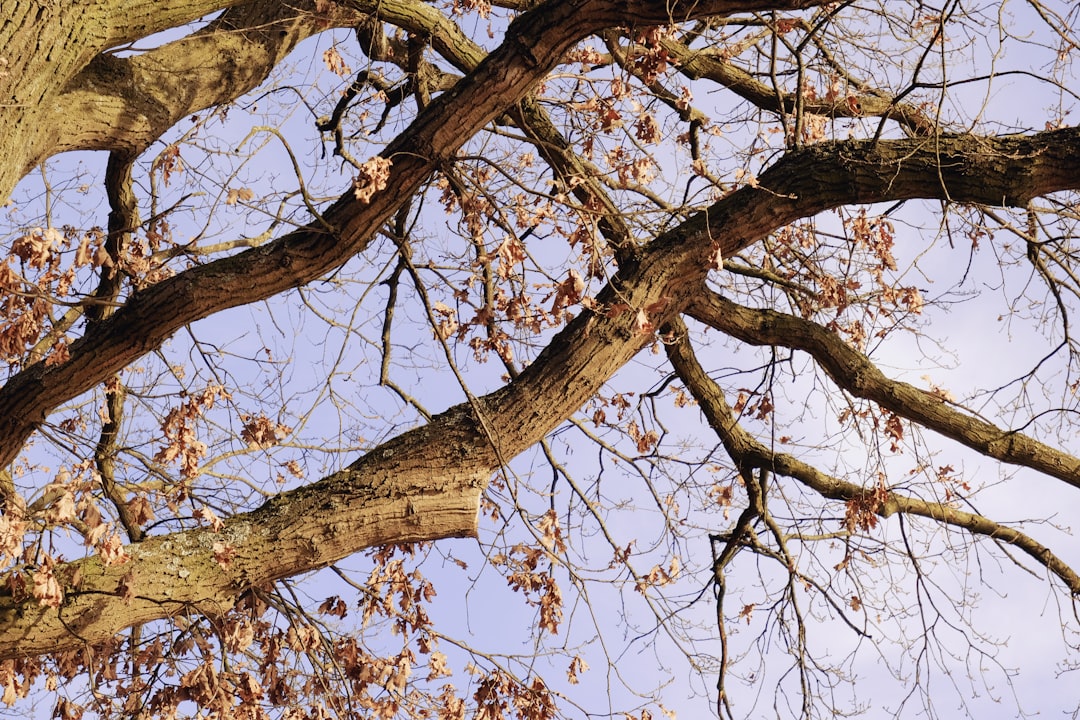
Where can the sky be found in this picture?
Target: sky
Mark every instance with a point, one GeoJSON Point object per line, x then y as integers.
{"type": "Point", "coordinates": [276, 354]}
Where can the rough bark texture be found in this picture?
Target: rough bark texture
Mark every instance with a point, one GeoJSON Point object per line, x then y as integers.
{"type": "Point", "coordinates": [47, 44]}
{"type": "Point", "coordinates": [287, 527]}
{"type": "Point", "coordinates": [569, 371]}
{"type": "Point", "coordinates": [990, 171]}
{"type": "Point", "coordinates": [424, 484]}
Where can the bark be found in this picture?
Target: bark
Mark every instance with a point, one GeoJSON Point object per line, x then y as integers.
{"type": "Point", "coordinates": [422, 485]}
{"type": "Point", "coordinates": [968, 169]}
{"type": "Point", "coordinates": [127, 103]}
{"type": "Point", "coordinates": [425, 484]}
{"type": "Point", "coordinates": [44, 44]}
{"type": "Point", "coordinates": [534, 44]}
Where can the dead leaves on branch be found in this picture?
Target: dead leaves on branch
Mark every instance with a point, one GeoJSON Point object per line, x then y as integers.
{"type": "Point", "coordinates": [51, 269]}
{"type": "Point", "coordinates": [69, 502]}
{"type": "Point", "coordinates": [237, 195]}
{"type": "Point", "coordinates": [372, 178]}
{"type": "Point", "coordinates": [50, 261]}
{"type": "Point", "coordinates": [852, 283]}
{"type": "Point", "coordinates": [527, 298]}
{"type": "Point", "coordinates": [539, 587]}
{"type": "Point", "coordinates": [260, 432]}
{"type": "Point", "coordinates": [861, 513]}
{"type": "Point", "coordinates": [260, 656]}
{"type": "Point", "coordinates": [335, 63]}
{"type": "Point", "coordinates": [179, 428]}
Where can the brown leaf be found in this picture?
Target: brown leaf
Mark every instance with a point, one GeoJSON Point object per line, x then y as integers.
{"type": "Point", "coordinates": [236, 194]}
{"type": "Point", "coordinates": [45, 587]}
{"type": "Point", "coordinates": [210, 517]}
{"type": "Point", "coordinates": [371, 179]}
{"type": "Point", "coordinates": [335, 63]}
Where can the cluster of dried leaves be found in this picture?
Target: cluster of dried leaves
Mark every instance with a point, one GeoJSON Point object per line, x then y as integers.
{"type": "Point", "coordinates": [512, 240]}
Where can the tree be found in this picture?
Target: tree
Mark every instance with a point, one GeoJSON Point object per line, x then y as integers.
{"type": "Point", "coordinates": [540, 237]}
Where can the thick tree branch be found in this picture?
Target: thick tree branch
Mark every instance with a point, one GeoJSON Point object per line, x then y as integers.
{"type": "Point", "coordinates": [1007, 170]}
{"type": "Point", "coordinates": [133, 20]}
{"type": "Point", "coordinates": [44, 45]}
{"type": "Point", "coordinates": [535, 43]}
{"type": "Point", "coordinates": [854, 372]}
{"type": "Point", "coordinates": [422, 485]}
{"type": "Point", "coordinates": [747, 452]}
{"type": "Point", "coordinates": [96, 26]}
{"type": "Point", "coordinates": [126, 103]}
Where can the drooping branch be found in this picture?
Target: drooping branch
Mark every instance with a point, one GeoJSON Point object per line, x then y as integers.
{"type": "Point", "coordinates": [746, 451]}
{"type": "Point", "coordinates": [854, 372]}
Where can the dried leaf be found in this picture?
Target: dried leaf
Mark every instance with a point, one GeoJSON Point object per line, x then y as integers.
{"type": "Point", "coordinates": [46, 588]}
{"type": "Point", "coordinates": [371, 179]}
{"type": "Point", "coordinates": [335, 63]}
{"type": "Point", "coordinates": [237, 194]}
{"type": "Point", "coordinates": [208, 516]}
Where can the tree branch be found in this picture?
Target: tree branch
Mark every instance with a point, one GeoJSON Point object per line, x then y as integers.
{"type": "Point", "coordinates": [422, 485]}
{"type": "Point", "coordinates": [854, 372]}
{"type": "Point", "coordinates": [132, 20]}
{"type": "Point", "coordinates": [45, 45]}
{"type": "Point", "coordinates": [1004, 170]}
{"type": "Point", "coordinates": [126, 103]}
{"type": "Point", "coordinates": [433, 475]}
{"type": "Point", "coordinates": [535, 43]}
{"type": "Point", "coordinates": [696, 64]}
{"type": "Point", "coordinates": [425, 483]}
{"type": "Point", "coordinates": [747, 452]}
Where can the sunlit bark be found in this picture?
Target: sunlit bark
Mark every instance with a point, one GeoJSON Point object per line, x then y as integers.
{"type": "Point", "coordinates": [569, 371]}
{"type": "Point", "coordinates": [67, 92]}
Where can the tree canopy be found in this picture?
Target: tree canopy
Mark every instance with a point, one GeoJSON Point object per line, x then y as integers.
{"type": "Point", "coordinates": [734, 334]}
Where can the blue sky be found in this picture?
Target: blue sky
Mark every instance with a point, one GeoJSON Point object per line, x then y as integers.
{"type": "Point", "coordinates": [312, 359]}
